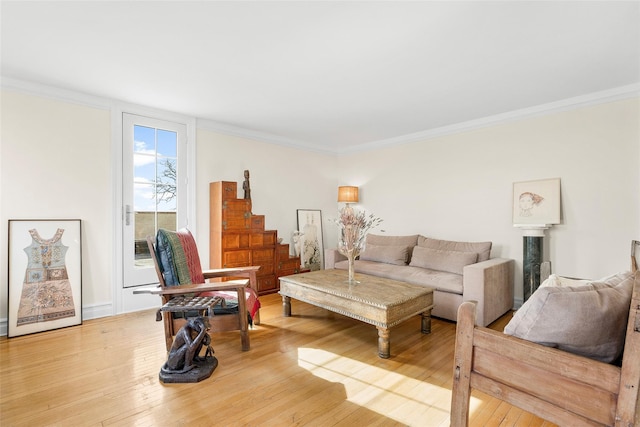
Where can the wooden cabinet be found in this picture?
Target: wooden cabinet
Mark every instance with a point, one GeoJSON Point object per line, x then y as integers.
{"type": "Point", "coordinates": [238, 238]}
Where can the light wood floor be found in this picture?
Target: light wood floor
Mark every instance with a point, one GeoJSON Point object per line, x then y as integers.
{"type": "Point", "coordinates": [314, 368]}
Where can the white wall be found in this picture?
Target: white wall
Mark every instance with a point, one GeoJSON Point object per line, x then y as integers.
{"type": "Point", "coordinates": [56, 163]}
{"type": "Point", "coordinates": [459, 187]}
{"type": "Point", "coordinates": [282, 180]}
{"type": "Point", "coordinates": [57, 158]}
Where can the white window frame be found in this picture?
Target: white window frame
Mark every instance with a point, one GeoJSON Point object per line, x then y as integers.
{"type": "Point", "coordinates": [123, 299]}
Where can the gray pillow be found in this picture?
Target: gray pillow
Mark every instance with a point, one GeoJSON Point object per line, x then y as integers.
{"type": "Point", "coordinates": [376, 239]}
{"type": "Point", "coordinates": [483, 249]}
{"type": "Point", "coordinates": [388, 254]}
{"type": "Point", "coordinates": [450, 261]}
{"type": "Point", "coordinates": [589, 320]}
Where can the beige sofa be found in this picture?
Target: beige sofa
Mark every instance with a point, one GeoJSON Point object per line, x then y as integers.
{"type": "Point", "coordinates": [458, 271]}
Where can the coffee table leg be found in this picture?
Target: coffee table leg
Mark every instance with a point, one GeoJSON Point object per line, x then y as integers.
{"type": "Point", "coordinates": [286, 306]}
{"type": "Point", "coordinates": [383, 343]}
{"type": "Point", "coordinates": [426, 322]}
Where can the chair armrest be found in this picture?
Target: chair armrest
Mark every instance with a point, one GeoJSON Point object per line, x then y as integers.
{"type": "Point", "coordinates": [331, 256]}
{"type": "Point", "coordinates": [191, 288]}
{"type": "Point", "coordinates": [230, 272]}
{"type": "Point", "coordinates": [490, 284]}
{"type": "Point", "coordinates": [248, 272]}
{"type": "Point", "coordinates": [149, 290]}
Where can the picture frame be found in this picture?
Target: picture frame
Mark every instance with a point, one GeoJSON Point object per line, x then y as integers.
{"type": "Point", "coordinates": [536, 202]}
{"type": "Point", "coordinates": [311, 242]}
{"type": "Point", "coordinates": [45, 275]}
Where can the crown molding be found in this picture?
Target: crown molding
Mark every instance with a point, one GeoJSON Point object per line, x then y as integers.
{"type": "Point", "coordinates": [56, 93]}
{"type": "Point", "coordinates": [601, 97]}
{"type": "Point", "coordinates": [595, 98]}
{"type": "Point", "coordinates": [230, 130]}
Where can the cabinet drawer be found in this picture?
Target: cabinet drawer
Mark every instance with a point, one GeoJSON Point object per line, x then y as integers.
{"type": "Point", "coordinates": [229, 190]}
{"type": "Point", "coordinates": [270, 237]}
{"type": "Point", "coordinates": [265, 268]}
{"type": "Point", "coordinates": [236, 215]}
{"type": "Point", "coordinates": [238, 224]}
{"type": "Point", "coordinates": [267, 284]}
{"type": "Point", "coordinates": [262, 255]}
{"type": "Point", "coordinates": [258, 240]}
{"type": "Point", "coordinates": [289, 264]}
{"type": "Point", "coordinates": [235, 241]}
{"type": "Point", "coordinates": [283, 251]}
{"type": "Point", "coordinates": [257, 222]}
{"type": "Point", "coordinates": [236, 259]}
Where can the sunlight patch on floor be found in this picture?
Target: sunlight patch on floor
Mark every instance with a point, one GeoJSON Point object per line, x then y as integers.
{"type": "Point", "coordinates": [403, 399]}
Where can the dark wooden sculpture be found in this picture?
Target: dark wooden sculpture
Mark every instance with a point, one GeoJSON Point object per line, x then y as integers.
{"type": "Point", "coordinates": [184, 364]}
{"type": "Point", "coordinates": [246, 186]}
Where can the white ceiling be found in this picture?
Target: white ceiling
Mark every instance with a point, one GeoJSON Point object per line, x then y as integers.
{"type": "Point", "coordinates": [333, 75]}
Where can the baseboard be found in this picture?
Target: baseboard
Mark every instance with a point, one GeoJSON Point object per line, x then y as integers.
{"type": "Point", "coordinates": [90, 312]}
{"type": "Point", "coordinates": [517, 303]}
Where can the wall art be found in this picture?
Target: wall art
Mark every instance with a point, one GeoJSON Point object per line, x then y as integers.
{"type": "Point", "coordinates": [310, 239]}
{"type": "Point", "coordinates": [45, 275]}
{"type": "Point", "coordinates": [536, 202]}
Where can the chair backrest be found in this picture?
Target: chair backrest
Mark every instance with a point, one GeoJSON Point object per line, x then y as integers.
{"type": "Point", "coordinates": [635, 255]}
{"type": "Point", "coordinates": [176, 258]}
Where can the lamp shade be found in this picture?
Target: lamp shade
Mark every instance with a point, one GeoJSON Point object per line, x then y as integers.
{"type": "Point", "coordinates": [348, 194]}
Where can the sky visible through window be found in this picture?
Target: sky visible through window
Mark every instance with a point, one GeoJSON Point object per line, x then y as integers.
{"type": "Point", "coordinates": [154, 162]}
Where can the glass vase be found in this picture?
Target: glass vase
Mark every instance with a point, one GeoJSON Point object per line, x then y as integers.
{"type": "Point", "coordinates": [351, 258]}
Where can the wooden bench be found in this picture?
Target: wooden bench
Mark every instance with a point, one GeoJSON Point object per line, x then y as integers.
{"type": "Point", "coordinates": [560, 387]}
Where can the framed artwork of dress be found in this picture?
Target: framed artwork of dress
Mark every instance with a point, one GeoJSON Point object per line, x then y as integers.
{"type": "Point", "coordinates": [310, 239]}
{"type": "Point", "coordinates": [45, 275]}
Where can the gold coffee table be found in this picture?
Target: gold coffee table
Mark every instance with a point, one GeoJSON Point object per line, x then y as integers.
{"type": "Point", "coordinates": [381, 302]}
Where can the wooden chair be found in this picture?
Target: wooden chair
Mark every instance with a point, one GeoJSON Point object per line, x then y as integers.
{"type": "Point", "coordinates": [245, 290]}
{"type": "Point", "coordinates": [561, 387]}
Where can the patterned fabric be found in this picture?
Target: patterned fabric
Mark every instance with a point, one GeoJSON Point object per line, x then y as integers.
{"type": "Point", "coordinates": [46, 293]}
{"type": "Point", "coordinates": [231, 297]}
{"type": "Point", "coordinates": [177, 255]}
{"type": "Point", "coordinates": [164, 254]}
{"type": "Point", "coordinates": [170, 246]}
{"type": "Point", "coordinates": [191, 255]}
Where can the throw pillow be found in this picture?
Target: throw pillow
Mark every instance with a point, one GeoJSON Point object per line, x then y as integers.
{"type": "Point", "coordinates": [450, 261]}
{"type": "Point", "coordinates": [483, 249]}
{"type": "Point", "coordinates": [375, 239]}
{"type": "Point", "coordinates": [397, 255]}
{"type": "Point", "coordinates": [164, 254]}
{"type": "Point", "coordinates": [589, 320]}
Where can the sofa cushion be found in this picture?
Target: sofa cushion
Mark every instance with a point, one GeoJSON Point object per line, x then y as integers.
{"type": "Point", "coordinates": [375, 239]}
{"type": "Point", "coordinates": [390, 254]}
{"type": "Point", "coordinates": [589, 320]}
{"type": "Point", "coordinates": [451, 261]}
{"type": "Point", "coordinates": [439, 280]}
{"type": "Point", "coordinates": [483, 249]}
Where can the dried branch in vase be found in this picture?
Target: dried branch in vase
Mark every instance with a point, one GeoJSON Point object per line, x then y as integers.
{"type": "Point", "coordinates": [354, 226]}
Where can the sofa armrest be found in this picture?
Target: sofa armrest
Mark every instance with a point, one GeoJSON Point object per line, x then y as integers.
{"type": "Point", "coordinates": [490, 284]}
{"type": "Point", "coordinates": [331, 256]}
